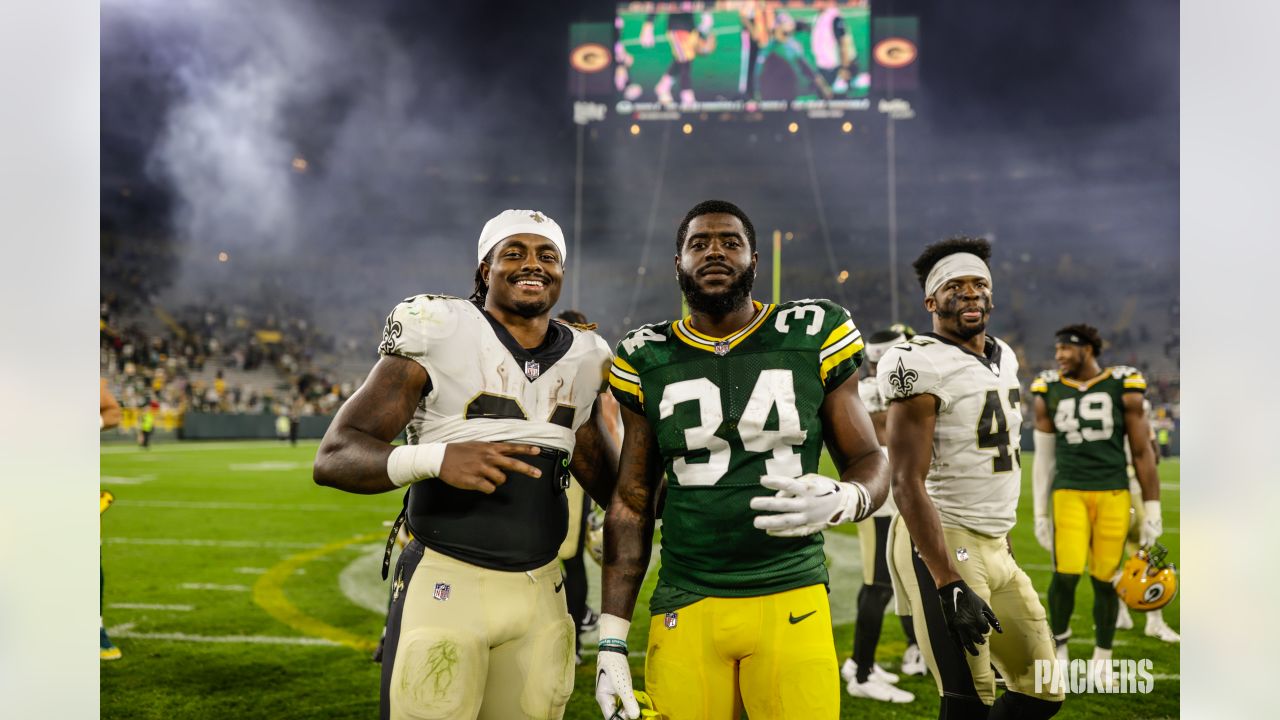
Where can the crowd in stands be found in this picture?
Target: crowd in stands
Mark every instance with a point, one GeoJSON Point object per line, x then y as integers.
{"type": "Point", "coordinates": [216, 360]}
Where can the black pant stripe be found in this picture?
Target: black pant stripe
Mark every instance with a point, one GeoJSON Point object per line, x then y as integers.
{"type": "Point", "coordinates": [405, 566]}
{"type": "Point", "coordinates": [953, 668]}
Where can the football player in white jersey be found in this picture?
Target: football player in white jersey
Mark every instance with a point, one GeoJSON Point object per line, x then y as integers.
{"type": "Point", "coordinates": [953, 423]}
{"type": "Point", "coordinates": [863, 677]}
{"type": "Point", "coordinates": [499, 404]}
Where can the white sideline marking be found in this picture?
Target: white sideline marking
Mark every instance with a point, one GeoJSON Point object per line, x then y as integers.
{"type": "Point", "coordinates": [274, 507]}
{"type": "Point", "coordinates": [211, 586]}
{"type": "Point", "coordinates": [1167, 676]}
{"type": "Point", "coordinates": [1171, 487]}
{"type": "Point", "coordinates": [125, 480]}
{"type": "Point", "coordinates": [267, 466]}
{"type": "Point", "coordinates": [149, 606]}
{"type": "Point", "coordinates": [195, 446]}
{"type": "Point", "coordinates": [1035, 566]}
{"type": "Point", "coordinates": [1089, 641]}
{"type": "Point", "coordinates": [252, 639]}
{"type": "Point", "coordinates": [251, 571]}
{"type": "Point", "coordinates": [192, 542]}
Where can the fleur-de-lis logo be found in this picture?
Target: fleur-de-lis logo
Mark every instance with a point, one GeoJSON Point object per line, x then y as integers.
{"type": "Point", "coordinates": [391, 333]}
{"type": "Point", "coordinates": [902, 379]}
{"type": "Point", "coordinates": [538, 217]}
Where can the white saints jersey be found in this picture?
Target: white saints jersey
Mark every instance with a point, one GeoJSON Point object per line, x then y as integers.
{"type": "Point", "coordinates": [975, 476]}
{"type": "Point", "coordinates": [484, 386]}
{"type": "Point", "coordinates": [873, 400]}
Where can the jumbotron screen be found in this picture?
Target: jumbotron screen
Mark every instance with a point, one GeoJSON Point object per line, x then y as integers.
{"type": "Point", "coordinates": [663, 59]}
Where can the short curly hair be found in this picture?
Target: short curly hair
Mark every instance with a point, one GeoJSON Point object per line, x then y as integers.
{"type": "Point", "coordinates": [1088, 332]}
{"type": "Point", "coordinates": [710, 207]}
{"type": "Point", "coordinates": [958, 244]}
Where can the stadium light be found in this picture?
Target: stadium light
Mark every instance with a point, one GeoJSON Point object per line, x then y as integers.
{"type": "Point", "coordinates": [789, 235]}
{"type": "Point", "coordinates": [299, 164]}
{"type": "Point", "coordinates": [222, 256]}
{"type": "Point", "coordinates": [844, 275]}
{"type": "Point", "coordinates": [847, 127]}
{"type": "Point", "coordinates": [793, 128]}
{"type": "Point", "coordinates": [635, 129]}
{"type": "Point", "coordinates": [688, 129]}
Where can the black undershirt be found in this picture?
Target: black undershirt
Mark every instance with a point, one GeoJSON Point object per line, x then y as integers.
{"type": "Point", "coordinates": [521, 524]}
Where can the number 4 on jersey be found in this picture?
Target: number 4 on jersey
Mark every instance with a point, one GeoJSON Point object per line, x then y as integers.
{"type": "Point", "coordinates": [993, 431]}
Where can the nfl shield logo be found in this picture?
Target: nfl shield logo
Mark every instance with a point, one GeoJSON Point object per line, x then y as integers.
{"type": "Point", "coordinates": [669, 620]}
{"type": "Point", "coordinates": [722, 348]}
{"type": "Point", "coordinates": [531, 369]}
{"type": "Point", "coordinates": [441, 592]}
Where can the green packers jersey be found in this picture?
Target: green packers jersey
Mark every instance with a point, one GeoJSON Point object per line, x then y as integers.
{"type": "Point", "coordinates": [1088, 420]}
{"type": "Point", "coordinates": [726, 411]}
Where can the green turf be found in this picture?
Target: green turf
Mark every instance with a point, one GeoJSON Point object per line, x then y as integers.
{"type": "Point", "coordinates": [245, 517]}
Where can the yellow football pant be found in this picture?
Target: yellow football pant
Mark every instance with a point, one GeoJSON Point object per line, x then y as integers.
{"type": "Point", "coordinates": [1089, 525]}
{"type": "Point", "coordinates": [773, 654]}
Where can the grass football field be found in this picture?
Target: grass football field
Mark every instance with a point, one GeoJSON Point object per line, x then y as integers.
{"type": "Point", "coordinates": [236, 588]}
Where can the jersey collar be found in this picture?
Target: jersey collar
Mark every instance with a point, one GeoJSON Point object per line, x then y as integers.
{"type": "Point", "coordinates": [554, 345]}
{"type": "Point", "coordinates": [1085, 384]}
{"type": "Point", "coordinates": [990, 356]}
{"type": "Point", "coordinates": [684, 330]}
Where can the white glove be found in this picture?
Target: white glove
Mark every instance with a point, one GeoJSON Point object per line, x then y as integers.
{"type": "Point", "coordinates": [1152, 524]}
{"type": "Point", "coordinates": [646, 35]}
{"type": "Point", "coordinates": [809, 504]}
{"type": "Point", "coordinates": [705, 24]}
{"type": "Point", "coordinates": [1044, 532]}
{"type": "Point", "coordinates": [613, 673]}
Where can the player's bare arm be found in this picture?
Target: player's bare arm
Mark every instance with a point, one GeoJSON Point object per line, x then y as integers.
{"type": "Point", "coordinates": [851, 438]}
{"type": "Point", "coordinates": [353, 453]}
{"type": "Point", "coordinates": [629, 520]}
{"type": "Point", "coordinates": [1139, 433]}
{"type": "Point", "coordinates": [108, 408]}
{"type": "Point", "coordinates": [595, 456]}
{"type": "Point", "coordinates": [911, 423]}
{"type": "Point", "coordinates": [1044, 423]}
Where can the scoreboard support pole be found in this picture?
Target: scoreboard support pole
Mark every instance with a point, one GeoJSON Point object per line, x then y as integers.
{"type": "Point", "coordinates": [777, 266]}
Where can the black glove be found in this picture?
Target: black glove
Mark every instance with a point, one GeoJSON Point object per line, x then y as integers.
{"type": "Point", "coordinates": [968, 616]}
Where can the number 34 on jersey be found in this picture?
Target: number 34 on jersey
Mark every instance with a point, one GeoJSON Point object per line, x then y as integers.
{"type": "Point", "coordinates": [727, 410]}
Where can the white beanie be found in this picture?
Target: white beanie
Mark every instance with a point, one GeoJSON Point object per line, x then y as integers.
{"type": "Point", "coordinates": [514, 222]}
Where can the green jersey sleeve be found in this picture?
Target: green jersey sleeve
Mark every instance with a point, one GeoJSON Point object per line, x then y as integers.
{"type": "Point", "coordinates": [1040, 386]}
{"type": "Point", "coordinates": [624, 377]}
{"type": "Point", "coordinates": [841, 352]}
{"type": "Point", "coordinates": [1131, 378]}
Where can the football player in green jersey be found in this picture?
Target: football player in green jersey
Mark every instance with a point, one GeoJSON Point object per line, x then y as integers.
{"type": "Point", "coordinates": [1084, 415]}
{"type": "Point", "coordinates": [733, 404]}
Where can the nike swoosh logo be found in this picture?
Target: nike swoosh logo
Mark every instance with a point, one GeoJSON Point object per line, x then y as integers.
{"type": "Point", "coordinates": [955, 599]}
{"type": "Point", "coordinates": [795, 619]}
{"type": "Point", "coordinates": [559, 585]}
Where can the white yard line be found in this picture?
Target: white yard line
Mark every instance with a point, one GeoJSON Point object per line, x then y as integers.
{"type": "Point", "coordinates": [149, 606]}
{"type": "Point", "coordinates": [212, 586]}
{"type": "Point", "coordinates": [250, 639]}
{"type": "Point", "coordinates": [193, 542]}
{"type": "Point", "coordinates": [274, 507]}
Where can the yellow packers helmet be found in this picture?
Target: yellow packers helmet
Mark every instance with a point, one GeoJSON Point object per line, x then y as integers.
{"type": "Point", "coordinates": [595, 534]}
{"type": "Point", "coordinates": [1147, 582]}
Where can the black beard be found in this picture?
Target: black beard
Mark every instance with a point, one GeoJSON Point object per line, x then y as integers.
{"type": "Point", "coordinates": [719, 304]}
{"type": "Point", "coordinates": [952, 313]}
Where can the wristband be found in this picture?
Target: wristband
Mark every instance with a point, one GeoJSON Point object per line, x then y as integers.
{"type": "Point", "coordinates": [1151, 508]}
{"type": "Point", "coordinates": [410, 463]}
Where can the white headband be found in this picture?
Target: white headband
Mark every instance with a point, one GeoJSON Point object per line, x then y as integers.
{"type": "Point", "coordinates": [961, 264]}
{"type": "Point", "coordinates": [875, 351]}
{"type": "Point", "coordinates": [514, 222]}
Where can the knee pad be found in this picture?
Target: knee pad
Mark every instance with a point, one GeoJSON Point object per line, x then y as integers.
{"type": "Point", "coordinates": [874, 597]}
{"type": "Point", "coordinates": [1016, 705]}
{"type": "Point", "coordinates": [439, 674]}
{"type": "Point", "coordinates": [550, 675]}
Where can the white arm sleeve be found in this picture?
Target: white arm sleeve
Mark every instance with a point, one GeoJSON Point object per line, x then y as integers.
{"type": "Point", "coordinates": [1042, 473]}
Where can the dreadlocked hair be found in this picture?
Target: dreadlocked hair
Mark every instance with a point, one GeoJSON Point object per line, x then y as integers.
{"type": "Point", "coordinates": [481, 290]}
{"type": "Point", "coordinates": [958, 244]}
